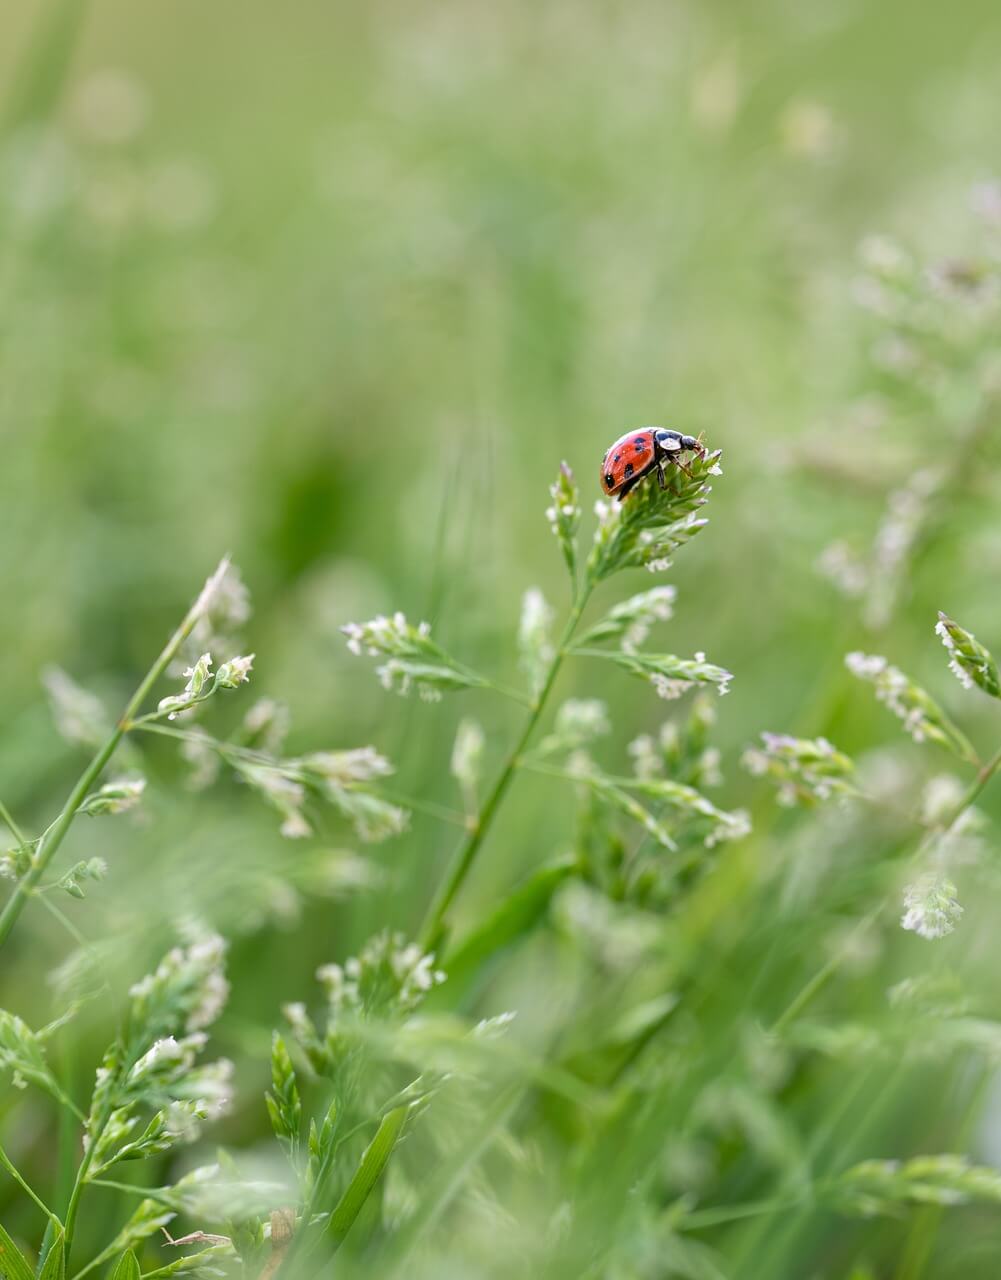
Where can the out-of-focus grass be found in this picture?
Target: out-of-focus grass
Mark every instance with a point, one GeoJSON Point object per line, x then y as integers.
{"type": "Point", "coordinates": [336, 288]}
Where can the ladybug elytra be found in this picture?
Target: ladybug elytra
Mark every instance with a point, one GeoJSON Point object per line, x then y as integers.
{"type": "Point", "coordinates": [637, 453]}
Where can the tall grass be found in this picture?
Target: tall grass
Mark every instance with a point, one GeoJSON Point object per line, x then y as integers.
{"type": "Point", "coordinates": [558, 964]}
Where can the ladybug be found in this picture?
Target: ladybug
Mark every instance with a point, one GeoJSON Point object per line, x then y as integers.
{"type": "Point", "coordinates": [637, 453]}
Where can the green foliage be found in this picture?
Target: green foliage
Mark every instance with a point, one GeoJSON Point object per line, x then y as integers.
{"type": "Point", "coordinates": [284, 1106]}
{"type": "Point", "coordinates": [13, 1265]}
{"type": "Point", "coordinates": [684, 1027]}
{"type": "Point", "coordinates": [127, 1267]}
{"type": "Point", "coordinates": [54, 1266]}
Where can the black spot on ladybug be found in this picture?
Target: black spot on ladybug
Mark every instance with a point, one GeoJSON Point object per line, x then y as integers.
{"type": "Point", "coordinates": [638, 442]}
{"type": "Point", "coordinates": [609, 480]}
{"type": "Point", "coordinates": [629, 470]}
{"type": "Point", "coordinates": [617, 457]}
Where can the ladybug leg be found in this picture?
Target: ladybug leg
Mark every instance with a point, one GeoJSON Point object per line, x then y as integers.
{"type": "Point", "coordinates": [679, 463]}
{"type": "Point", "coordinates": [661, 478]}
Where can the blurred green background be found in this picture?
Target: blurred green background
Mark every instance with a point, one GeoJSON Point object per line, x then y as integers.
{"type": "Point", "coordinates": [335, 288]}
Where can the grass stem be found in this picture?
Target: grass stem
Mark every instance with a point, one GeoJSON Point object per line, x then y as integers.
{"type": "Point", "coordinates": [50, 842]}
{"type": "Point", "coordinates": [434, 922]}
{"type": "Point", "coordinates": [12, 1170]}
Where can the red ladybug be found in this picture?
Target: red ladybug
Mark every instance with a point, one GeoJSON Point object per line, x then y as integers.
{"type": "Point", "coordinates": [635, 454]}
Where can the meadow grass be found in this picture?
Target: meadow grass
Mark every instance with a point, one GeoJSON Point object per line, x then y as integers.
{"type": "Point", "coordinates": [438, 917]}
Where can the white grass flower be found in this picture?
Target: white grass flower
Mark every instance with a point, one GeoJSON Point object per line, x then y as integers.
{"type": "Point", "coordinates": [361, 764]}
{"type": "Point", "coordinates": [342, 779]}
{"type": "Point", "coordinates": [235, 672]}
{"type": "Point", "coordinates": [941, 798]}
{"type": "Point", "coordinates": [181, 1122]}
{"type": "Point", "coordinates": [805, 770]}
{"type": "Point", "coordinates": [670, 675]}
{"type": "Point", "coordinates": [906, 515]}
{"type": "Point", "coordinates": [225, 596]}
{"type": "Point", "coordinates": [91, 869]}
{"type": "Point", "coordinates": [467, 758]}
{"type": "Point", "coordinates": [384, 635]}
{"type": "Point", "coordinates": [669, 688]}
{"type": "Point", "coordinates": [389, 975]}
{"type": "Point", "coordinates": [14, 863]}
{"type": "Point", "coordinates": [414, 660]}
{"type": "Point", "coordinates": [839, 565]}
{"type": "Point", "coordinates": [285, 794]}
{"type": "Point", "coordinates": [921, 716]}
{"type": "Point", "coordinates": [79, 715]}
{"type": "Point", "coordinates": [492, 1028]}
{"type": "Point", "coordinates": [647, 760]}
{"type": "Point", "coordinates": [564, 515]}
{"type": "Point", "coordinates": [931, 909]}
{"type": "Point", "coordinates": [646, 529]}
{"type": "Point", "coordinates": [534, 644]}
{"type": "Point", "coordinates": [201, 752]}
{"type": "Point", "coordinates": [581, 720]}
{"type": "Point", "coordinates": [166, 1051]}
{"type": "Point", "coordinates": [197, 678]}
{"type": "Point", "coordinates": [630, 621]}
{"type": "Point", "coordinates": [689, 805]}
{"type": "Point", "coordinates": [212, 999]}
{"type": "Point", "coordinates": [969, 661]}
{"type": "Point", "coordinates": [186, 991]}
{"type": "Point", "coordinates": [265, 726]}
{"type": "Point", "coordinates": [118, 796]}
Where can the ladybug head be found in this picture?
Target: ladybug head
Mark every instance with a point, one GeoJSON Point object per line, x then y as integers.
{"type": "Point", "coordinates": [674, 442]}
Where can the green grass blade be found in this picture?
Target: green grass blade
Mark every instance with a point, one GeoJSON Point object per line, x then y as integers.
{"type": "Point", "coordinates": [373, 1162]}
{"type": "Point", "coordinates": [516, 916]}
{"type": "Point", "coordinates": [12, 1261]}
{"type": "Point", "coordinates": [44, 64]}
{"type": "Point", "coordinates": [54, 1266]}
{"type": "Point", "coordinates": [127, 1267]}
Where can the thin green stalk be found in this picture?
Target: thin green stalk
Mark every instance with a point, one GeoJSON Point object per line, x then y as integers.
{"type": "Point", "coordinates": [129, 1187]}
{"type": "Point", "coordinates": [78, 1186]}
{"type": "Point", "coordinates": [15, 830]}
{"type": "Point", "coordinates": [465, 855]}
{"type": "Point", "coordinates": [439, 811]}
{"type": "Point", "coordinates": [9, 1166]}
{"type": "Point", "coordinates": [65, 921]}
{"type": "Point", "coordinates": [704, 1218]}
{"type": "Point", "coordinates": [44, 64]}
{"type": "Point", "coordinates": [50, 843]}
